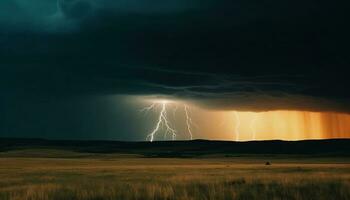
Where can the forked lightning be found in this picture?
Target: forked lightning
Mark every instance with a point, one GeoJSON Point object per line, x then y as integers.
{"type": "Point", "coordinates": [163, 122]}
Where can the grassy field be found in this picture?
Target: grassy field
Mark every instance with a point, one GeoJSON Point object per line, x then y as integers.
{"type": "Point", "coordinates": [66, 175]}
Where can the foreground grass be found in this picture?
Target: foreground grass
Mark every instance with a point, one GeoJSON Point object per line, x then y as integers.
{"type": "Point", "coordinates": [185, 179]}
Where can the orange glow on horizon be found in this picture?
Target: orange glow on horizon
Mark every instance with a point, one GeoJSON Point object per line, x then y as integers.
{"type": "Point", "coordinates": [245, 126]}
{"type": "Point", "coordinates": [281, 125]}
{"type": "Point", "coordinates": [293, 125]}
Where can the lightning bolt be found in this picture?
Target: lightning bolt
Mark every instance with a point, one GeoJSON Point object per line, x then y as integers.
{"type": "Point", "coordinates": [188, 122]}
{"type": "Point", "coordinates": [252, 127]}
{"type": "Point", "coordinates": [238, 123]}
{"type": "Point", "coordinates": [162, 121]}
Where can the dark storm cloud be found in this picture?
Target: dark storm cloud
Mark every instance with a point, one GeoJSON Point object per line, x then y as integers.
{"type": "Point", "coordinates": [249, 55]}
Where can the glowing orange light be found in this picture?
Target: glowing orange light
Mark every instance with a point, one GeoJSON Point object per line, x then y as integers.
{"type": "Point", "coordinates": [243, 126]}
{"type": "Point", "coordinates": [284, 125]}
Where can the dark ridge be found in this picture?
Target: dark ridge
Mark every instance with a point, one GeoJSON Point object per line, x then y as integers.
{"type": "Point", "coordinates": [338, 147]}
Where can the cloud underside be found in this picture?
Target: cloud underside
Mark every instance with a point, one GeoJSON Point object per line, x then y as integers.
{"type": "Point", "coordinates": [223, 55]}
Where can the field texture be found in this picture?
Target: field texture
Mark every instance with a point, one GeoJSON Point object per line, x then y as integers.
{"type": "Point", "coordinates": [84, 176]}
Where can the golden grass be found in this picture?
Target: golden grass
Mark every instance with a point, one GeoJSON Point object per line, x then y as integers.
{"type": "Point", "coordinates": [183, 179]}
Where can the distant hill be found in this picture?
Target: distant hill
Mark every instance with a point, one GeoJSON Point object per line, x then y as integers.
{"type": "Point", "coordinates": [332, 147]}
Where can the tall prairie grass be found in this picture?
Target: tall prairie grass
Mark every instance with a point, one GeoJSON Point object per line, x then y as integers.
{"type": "Point", "coordinates": [171, 179]}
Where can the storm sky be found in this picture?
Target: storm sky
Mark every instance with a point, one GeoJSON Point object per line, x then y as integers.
{"type": "Point", "coordinates": [68, 67]}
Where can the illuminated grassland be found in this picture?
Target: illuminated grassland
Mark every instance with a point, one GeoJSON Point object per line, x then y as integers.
{"type": "Point", "coordinates": [89, 176]}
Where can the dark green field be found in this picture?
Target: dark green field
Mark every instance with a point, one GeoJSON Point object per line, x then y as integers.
{"type": "Point", "coordinates": [46, 171]}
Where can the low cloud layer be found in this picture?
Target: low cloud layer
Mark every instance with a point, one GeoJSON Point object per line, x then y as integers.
{"type": "Point", "coordinates": [246, 55]}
